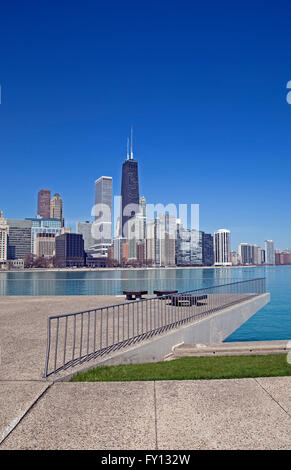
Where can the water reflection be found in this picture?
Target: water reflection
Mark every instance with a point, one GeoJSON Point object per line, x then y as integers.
{"type": "Point", "coordinates": [271, 322]}
{"type": "Point", "coordinates": [115, 282]}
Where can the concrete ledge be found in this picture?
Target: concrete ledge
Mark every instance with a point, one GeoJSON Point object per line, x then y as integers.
{"type": "Point", "coordinates": [232, 349]}
{"type": "Point", "coordinates": [210, 329]}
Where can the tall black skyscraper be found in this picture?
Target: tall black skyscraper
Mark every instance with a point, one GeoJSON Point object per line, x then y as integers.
{"type": "Point", "coordinates": [129, 190]}
{"type": "Point", "coordinates": [207, 249]}
{"type": "Point", "coordinates": [70, 249]}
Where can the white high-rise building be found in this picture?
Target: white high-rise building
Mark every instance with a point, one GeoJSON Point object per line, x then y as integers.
{"type": "Point", "coordinates": [4, 231]}
{"type": "Point", "coordinates": [118, 243]}
{"type": "Point", "coordinates": [222, 248]}
{"type": "Point", "coordinates": [160, 240]}
{"type": "Point", "coordinates": [102, 226]}
{"type": "Point", "coordinates": [269, 252]}
{"type": "Point", "coordinates": [153, 245]}
{"type": "Point", "coordinates": [85, 229]}
{"type": "Point", "coordinates": [168, 239]}
{"type": "Point", "coordinates": [256, 255]}
{"type": "Point", "coordinates": [234, 258]}
{"type": "Point", "coordinates": [142, 206]}
{"type": "Point", "coordinates": [44, 244]}
{"type": "Point", "coordinates": [136, 235]}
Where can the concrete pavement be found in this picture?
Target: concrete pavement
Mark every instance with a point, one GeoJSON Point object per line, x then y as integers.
{"type": "Point", "coordinates": [171, 415]}
{"type": "Point", "coordinates": [23, 330]}
{"type": "Point", "coordinates": [40, 414]}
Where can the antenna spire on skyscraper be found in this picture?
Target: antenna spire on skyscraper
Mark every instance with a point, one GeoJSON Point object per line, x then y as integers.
{"type": "Point", "coordinates": [127, 149]}
{"type": "Point", "coordinates": [131, 151]}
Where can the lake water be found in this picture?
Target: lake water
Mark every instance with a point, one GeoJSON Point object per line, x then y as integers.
{"type": "Point", "coordinates": [270, 323]}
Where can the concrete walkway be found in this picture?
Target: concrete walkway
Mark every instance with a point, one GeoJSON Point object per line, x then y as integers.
{"type": "Point", "coordinates": [39, 414]}
{"type": "Point", "coordinates": [23, 330]}
{"type": "Point", "coordinates": [215, 414]}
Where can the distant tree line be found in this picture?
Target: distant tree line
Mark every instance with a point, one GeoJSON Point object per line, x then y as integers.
{"type": "Point", "coordinates": [114, 263]}
{"type": "Point", "coordinates": [33, 261]}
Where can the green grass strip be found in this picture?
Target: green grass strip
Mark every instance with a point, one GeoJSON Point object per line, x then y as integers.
{"type": "Point", "coordinates": [191, 368]}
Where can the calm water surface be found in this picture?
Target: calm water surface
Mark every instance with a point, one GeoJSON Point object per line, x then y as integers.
{"type": "Point", "coordinates": [272, 322]}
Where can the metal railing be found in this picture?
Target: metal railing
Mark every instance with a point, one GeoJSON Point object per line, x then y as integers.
{"type": "Point", "coordinates": [75, 338]}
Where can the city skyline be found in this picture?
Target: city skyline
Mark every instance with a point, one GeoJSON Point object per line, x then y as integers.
{"type": "Point", "coordinates": [73, 225]}
{"type": "Point", "coordinates": [156, 235]}
{"type": "Point", "coordinates": [160, 236]}
{"type": "Point", "coordinates": [44, 230]}
{"type": "Point", "coordinates": [212, 124]}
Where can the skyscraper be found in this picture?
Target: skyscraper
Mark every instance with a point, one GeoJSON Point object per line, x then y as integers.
{"type": "Point", "coordinates": [207, 249]}
{"type": "Point", "coordinates": [222, 248]}
{"type": "Point", "coordinates": [4, 230]}
{"type": "Point", "coordinates": [168, 239]}
{"type": "Point", "coordinates": [153, 242]}
{"type": "Point", "coordinates": [160, 240]}
{"type": "Point", "coordinates": [43, 225]}
{"type": "Point", "coordinates": [269, 252]}
{"type": "Point", "coordinates": [19, 238]}
{"type": "Point", "coordinates": [129, 190]}
{"type": "Point", "coordinates": [70, 250]}
{"type": "Point", "coordinates": [43, 203]}
{"type": "Point", "coordinates": [234, 258]}
{"type": "Point", "coordinates": [102, 226]}
{"type": "Point", "coordinates": [118, 243]}
{"type": "Point", "coordinates": [189, 247]}
{"type": "Point", "coordinates": [143, 206]}
{"type": "Point", "coordinates": [245, 252]}
{"type": "Point", "coordinates": [256, 255]}
{"type": "Point", "coordinates": [56, 209]}
{"type": "Point", "coordinates": [44, 244]}
{"type": "Point", "coordinates": [136, 235]}
{"type": "Point", "coordinates": [85, 229]}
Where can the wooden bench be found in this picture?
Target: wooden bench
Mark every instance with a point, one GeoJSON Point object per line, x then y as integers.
{"type": "Point", "coordinates": [186, 299]}
{"type": "Point", "coordinates": [133, 294]}
{"type": "Point", "coordinates": [161, 293]}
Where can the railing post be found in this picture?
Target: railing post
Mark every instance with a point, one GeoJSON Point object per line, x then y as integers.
{"type": "Point", "coordinates": [56, 346]}
{"type": "Point", "coordinates": [48, 347]}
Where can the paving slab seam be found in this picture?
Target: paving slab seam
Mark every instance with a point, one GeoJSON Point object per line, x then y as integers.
{"type": "Point", "coordinates": [269, 394]}
{"type": "Point", "coordinates": [15, 422]}
{"type": "Point", "coordinates": [27, 380]}
{"type": "Point", "coordinates": [156, 417]}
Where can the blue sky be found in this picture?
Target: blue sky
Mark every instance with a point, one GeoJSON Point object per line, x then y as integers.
{"type": "Point", "coordinates": [204, 87]}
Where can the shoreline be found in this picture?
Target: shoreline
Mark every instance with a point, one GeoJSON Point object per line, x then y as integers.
{"type": "Point", "coordinates": [152, 268]}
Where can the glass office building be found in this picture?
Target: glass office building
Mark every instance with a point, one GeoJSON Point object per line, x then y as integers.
{"type": "Point", "coordinates": [189, 248]}
{"type": "Point", "coordinates": [129, 193]}
{"type": "Point", "coordinates": [19, 238]}
{"type": "Point", "coordinates": [70, 250]}
{"type": "Point", "coordinates": [102, 226]}
{"type": "Point", "coordinates": [39, 225]}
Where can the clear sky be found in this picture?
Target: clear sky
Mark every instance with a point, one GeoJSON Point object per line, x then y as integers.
{"type": "Point", "coordinates": [202, 83]}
